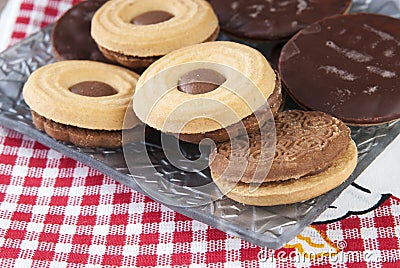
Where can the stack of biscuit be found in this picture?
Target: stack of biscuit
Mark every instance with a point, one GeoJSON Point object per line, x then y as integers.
{"type": "Point", "coordinates": [191, 85]}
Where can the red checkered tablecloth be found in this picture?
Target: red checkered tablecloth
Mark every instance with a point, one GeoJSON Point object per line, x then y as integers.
{"type": "Point", "coordinates": [56, 212]}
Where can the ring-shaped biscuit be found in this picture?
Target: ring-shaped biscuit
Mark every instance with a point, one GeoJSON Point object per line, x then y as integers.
{"type": "Point", "coordinates": [192, 22]}
{"type": "Point", "coordinates": [163, 76]}
{"type": "Point", "coordinates": [47, 92]}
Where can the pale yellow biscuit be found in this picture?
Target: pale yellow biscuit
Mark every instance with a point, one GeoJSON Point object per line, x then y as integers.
{"type": "Point", "coordinates": [194, 22]}
{"type": "Point", "coordinates": [47, 93]}
{"type": "Point", "coordinates": [160, 104]}
{"type": "Point", "coordinates": [288, 192]}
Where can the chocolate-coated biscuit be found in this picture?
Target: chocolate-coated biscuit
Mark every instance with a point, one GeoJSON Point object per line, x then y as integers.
{"type": "Point", "coordinates": [346, 66]}
{"type": "Point", "coordinates": [275, 20]}
{"type": "Point", "coordinates": [71, 37]}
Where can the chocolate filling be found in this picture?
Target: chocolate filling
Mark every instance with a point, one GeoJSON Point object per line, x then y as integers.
{"type": "Point", "coordinates": [93, 89]}
{"type": "Point", "coordinates": [200, 81]}
{"type": "Point", "coordinates": [152, 17]}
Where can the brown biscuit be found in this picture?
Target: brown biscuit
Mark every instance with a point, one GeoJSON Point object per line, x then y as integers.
{"type": "Point", "coordinates": [138, 62]}
{"type": "Point", "coordinates": [79, 136]}
{"type": "Point", "coordinates": [309, 145]}
{"type": "Point", "coordinates": [292, 191]}
{"type": "Point", "coordinates": [250, 123]}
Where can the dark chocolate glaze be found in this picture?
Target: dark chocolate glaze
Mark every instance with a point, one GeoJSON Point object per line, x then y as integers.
{"type": "Point", "coordinates": [71, 34]}
{"type": "Point", "coordinates": [200, 81]}
{"type": "Point", "coordinates": [152, 17]}
{"type": "Point", "coordinates": [347, 66]}
{"type": "Point", "coordinates": [93, 89]}
{"type": "Point", "coordinates": [274, 19]}
{"type": "Point", "coordinates": [273, 57]}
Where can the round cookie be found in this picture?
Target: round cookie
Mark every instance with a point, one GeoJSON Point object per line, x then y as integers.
{"type": "Point", "coordinates": [82, 102]}
{"type": "Point", "coordinates": [71, 37]}
{"type": "Point", "coordinates": [135, 33]}
{"type": "Point", "coordinates": [314, 154]}
{"type": "Point", "coordinates": [193, 92]}
{"type": "Point", "coordinates": [275, 20]}
{"type": "Point", "coordinates": [349, 68]}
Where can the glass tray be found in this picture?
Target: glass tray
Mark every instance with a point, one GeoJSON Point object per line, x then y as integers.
{"type": "Point", "coordinates": [270, 227]}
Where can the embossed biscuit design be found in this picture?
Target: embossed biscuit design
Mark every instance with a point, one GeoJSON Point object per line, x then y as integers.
{"type": "Point", "coordinates": [310, 148]}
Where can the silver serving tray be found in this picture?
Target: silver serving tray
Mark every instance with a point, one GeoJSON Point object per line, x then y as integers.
{"type": "Point", "coordinates": [270, 227]}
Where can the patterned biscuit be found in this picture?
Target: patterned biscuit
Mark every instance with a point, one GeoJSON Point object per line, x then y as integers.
{"type": "Point", "coordinates": [293, 191]}
{"type": "Point", "coordinates": [308, 145]}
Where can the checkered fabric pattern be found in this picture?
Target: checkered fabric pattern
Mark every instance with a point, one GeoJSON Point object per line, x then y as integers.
{"type": "Point", "coordinates": [56, 212]}
{"type": "Point", "coordinates": [34, 15]}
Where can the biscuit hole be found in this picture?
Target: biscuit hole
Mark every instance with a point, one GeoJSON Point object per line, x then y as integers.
{"type": "Point", "coordinates": [152, 17]}
{"type": "Point", "coordinates": [200, 81]}
{"type": "Point", "coordinates": [93, 89]}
